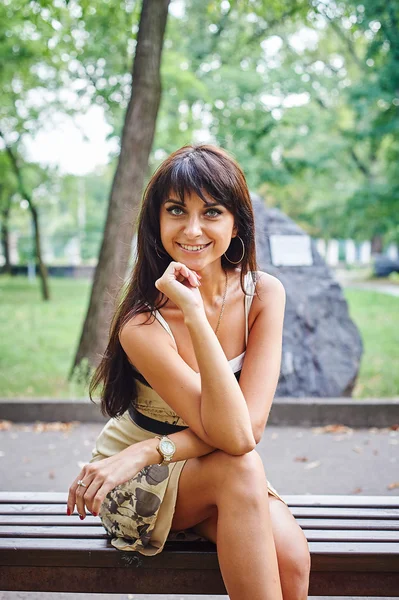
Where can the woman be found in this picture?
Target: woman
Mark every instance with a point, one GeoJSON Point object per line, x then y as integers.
{"type": "Point", "coordinates": [194, 358]}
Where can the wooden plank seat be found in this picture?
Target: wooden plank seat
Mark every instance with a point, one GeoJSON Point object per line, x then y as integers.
{"type": "Point", "coordinates": [353, 540]}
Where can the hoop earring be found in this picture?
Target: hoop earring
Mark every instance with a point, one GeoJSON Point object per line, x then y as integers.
{"type": "Point", "coordinates": [242, 256]}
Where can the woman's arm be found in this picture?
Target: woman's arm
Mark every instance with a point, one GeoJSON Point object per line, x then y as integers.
{"type": "Point", "coordinates": [214, 395]}
{"type": "Point", "coordinates": [259, 374]}
{"type": "Point", "coordinates": [188, 445]}
{"type": "Point", "coordinates": [224, 413]}
{"type": "Point", "coordinates": [261, 368]}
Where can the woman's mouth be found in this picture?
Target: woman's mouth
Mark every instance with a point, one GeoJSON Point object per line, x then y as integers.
{"type": "Point", "coordinates": [191, 248]}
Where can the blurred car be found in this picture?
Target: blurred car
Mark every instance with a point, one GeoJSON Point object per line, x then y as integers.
{"type": "Point", "coordinates": [384, 266]}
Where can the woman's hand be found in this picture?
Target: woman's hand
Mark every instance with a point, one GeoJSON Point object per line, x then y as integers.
{"type": "Point", "coordinates": [103, 476]}
{"type": "Point", "coordinates": [180, 284]}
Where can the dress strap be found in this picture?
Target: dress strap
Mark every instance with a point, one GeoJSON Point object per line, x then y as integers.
{"type": "Point", "coordinates": [164, 323]}
{"type": "Point", "coordinates": [250, 289]}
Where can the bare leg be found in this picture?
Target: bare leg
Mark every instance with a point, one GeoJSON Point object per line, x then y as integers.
{"type": "Point", "coordinates": [237, 487]}
{"type": "Point", "coordinates": [291, 547]}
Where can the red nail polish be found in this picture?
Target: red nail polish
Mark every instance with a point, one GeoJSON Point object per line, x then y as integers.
{"type": "Point", "coordinates": [81, 518]}
{"type": "Point", "coordinates": [68, 512]}
{"type": "Point", "coordinates": [94, 514]}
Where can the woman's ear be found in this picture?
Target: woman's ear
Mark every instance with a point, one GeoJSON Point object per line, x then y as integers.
{"type": "Point", "coordinates": [234, 232]}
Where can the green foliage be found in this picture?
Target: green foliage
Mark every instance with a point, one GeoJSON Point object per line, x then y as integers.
{"type": "Point", "coordinates": [304, 94]}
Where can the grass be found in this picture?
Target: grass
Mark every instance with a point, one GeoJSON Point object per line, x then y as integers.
{"type": "Point", "coordinates": [38, 339]}
{"type": "Point", "coordinates": [377, 318]}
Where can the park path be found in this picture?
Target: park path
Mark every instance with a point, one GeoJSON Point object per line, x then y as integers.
{"type": "Point", "coordinates": [383, 288]}
{"type": "Point", "coordinates": [349, 279]}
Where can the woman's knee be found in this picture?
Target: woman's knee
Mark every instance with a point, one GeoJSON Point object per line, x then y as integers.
{"type": "Point", "coordinates": [243, 474]}
{"type": "Point", "coordinates": [292, 552]}
{"type": "Point", "coordinates": [295, 571]}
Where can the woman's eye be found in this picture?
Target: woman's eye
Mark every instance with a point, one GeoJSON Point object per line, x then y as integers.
{"type": "Point", "coordinates": [212, 212]}
{"type": "Point", "coordinates": [173, 210]}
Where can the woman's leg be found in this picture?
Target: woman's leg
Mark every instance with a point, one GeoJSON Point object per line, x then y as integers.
{"type": "Point", "coordinates": [236, 486]}
{"type": "Point", "coordinates": [291, 547]}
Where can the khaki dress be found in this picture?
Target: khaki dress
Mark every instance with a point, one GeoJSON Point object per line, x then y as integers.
{"type": "Point", "coordinates": [138, 514]}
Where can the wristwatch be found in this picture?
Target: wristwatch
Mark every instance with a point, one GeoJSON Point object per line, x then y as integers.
{"type": "Point", "coordinates": [166, 449]}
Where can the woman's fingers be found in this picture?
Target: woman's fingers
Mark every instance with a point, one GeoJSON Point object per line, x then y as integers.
{"type": "Point", "coordinates": [191, 276]}
{"type": "Point", "coordinates": [100, 497]}
{"type": "Point", "coordinates": [77, 492]}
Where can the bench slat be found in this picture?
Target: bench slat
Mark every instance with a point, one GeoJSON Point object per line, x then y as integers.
{"type": "Point", "coordinates": [351, 536]}
{"type": "Point", "coordinates": [292, 500]}
{"type": "Point", "coordinates": [184, 583]}
{"type": "Point", "coordinates": [354, 513]}
{"type": "Point", "coordinates": [76, 532]}
{"type": "Point", "coordinates": [90, 521]}
{"type": "Point", "coordinates": [16, 519]}
{"type": "Point", "coordinates": [323, 512]}
{"type": "Point", "coordinates": [350, 524]}
{"type": "Point", "coordinates": [54, 532]}
{"type": "Point", "coordinates": [348, 556]}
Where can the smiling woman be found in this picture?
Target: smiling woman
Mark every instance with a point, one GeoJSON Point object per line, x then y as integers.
{"type": "Point", "coordinates": [188, 378]}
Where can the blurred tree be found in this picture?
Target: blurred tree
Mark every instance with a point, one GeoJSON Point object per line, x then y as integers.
{"type": "Point", "coordinates": [28, 63]}
{"type": "Point", "coordinates": [136, 142]}
{"type": "Point", "coordinates": [7, 189]}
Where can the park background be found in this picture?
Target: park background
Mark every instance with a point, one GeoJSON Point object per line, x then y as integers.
{"type": "Point", "coordinates": [304, 95]}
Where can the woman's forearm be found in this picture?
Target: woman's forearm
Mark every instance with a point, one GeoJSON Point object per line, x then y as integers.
{"type": "Point", "coordinates": [224, 412]}
{"type": "Point", "coordinates": [188, 445]}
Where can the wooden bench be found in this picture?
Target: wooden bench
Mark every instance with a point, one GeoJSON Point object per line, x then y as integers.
{"type": "Point", "coordinates": [353, 540]}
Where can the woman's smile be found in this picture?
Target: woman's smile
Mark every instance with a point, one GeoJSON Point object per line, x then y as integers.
{"type": "Point", "coordinates": [191, 248]}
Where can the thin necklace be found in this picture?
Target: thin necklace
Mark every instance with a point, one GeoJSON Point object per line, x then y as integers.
{"type": "Point", "coordinates": [223, 303]}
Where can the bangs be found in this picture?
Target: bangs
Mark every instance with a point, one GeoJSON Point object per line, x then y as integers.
{"type": "Point", "coordinates": [201, 174]}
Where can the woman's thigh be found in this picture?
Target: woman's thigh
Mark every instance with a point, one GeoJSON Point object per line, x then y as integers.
{"type": "Point", "coordinates": [195, 500]}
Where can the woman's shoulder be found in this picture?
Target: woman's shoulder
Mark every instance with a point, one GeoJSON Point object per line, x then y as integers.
{"type": "Point", "coordinates": [268, 287]}
{"type": "Point", "coordinates": [143, 326]}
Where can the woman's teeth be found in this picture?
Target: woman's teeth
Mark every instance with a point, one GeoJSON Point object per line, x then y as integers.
{"type": "Point", "coordinates": [192, 248]}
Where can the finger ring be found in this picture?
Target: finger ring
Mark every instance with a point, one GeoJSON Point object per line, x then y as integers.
{"type": "Point", "coordinates": [80, 482]}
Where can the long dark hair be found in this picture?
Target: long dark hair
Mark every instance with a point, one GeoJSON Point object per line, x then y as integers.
{"type": "Point", "coordinates": [192, 168]}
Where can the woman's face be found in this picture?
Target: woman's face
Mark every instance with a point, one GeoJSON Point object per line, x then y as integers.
{"type": "Point", "coordinates": [195, 233]}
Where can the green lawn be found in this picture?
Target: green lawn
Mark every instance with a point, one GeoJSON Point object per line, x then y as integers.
{"type": "Point", "coordinates": [38, 339]}
{"type": "Point", "coordinates": [377, 318]}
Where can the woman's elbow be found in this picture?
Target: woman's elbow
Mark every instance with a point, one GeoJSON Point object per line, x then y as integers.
{"type": "Point", "coordinates": [243, 447]}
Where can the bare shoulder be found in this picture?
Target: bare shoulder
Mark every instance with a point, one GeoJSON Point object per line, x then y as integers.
{"type": "Point", "coordinates": [269, 288]}
{"type": "Point", "coordinates": [142, 330]}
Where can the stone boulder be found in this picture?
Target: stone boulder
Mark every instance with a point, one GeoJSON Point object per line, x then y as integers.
{"type": "Point", "coordinates": [322, 346]}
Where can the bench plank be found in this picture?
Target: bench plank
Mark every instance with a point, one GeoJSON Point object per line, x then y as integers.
{"type": "Point", "coordinates": [77, 532]}
{"type": "Point", "coordinates": [184, 582]}
{"type": "Point", "coordinates": [292, 500]}
{"type": "Point", "coordinates": [309, 523]}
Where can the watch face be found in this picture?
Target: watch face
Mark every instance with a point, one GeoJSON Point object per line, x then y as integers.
{"type": "Point", "coordinates": [167, 447]}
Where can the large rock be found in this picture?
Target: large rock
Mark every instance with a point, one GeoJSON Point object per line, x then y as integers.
{"type": "Point", "coordinates": [322, 346]}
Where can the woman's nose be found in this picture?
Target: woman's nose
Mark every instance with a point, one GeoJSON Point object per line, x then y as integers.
{"type": "Point", "coordinates": [193, 228]}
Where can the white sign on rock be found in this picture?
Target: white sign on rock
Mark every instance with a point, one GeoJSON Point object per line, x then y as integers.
{"type": "Point", "coordinates": [291, 250]}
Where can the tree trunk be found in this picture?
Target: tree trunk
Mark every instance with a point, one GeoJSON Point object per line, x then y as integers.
{"type": "Point", "coordinates": [127, 186]}
{"type": "Point", "coordinates": [24, 193]}
{"type": "Point", "coordinates": [376, 244]}
{"type": "Point", "coordinates": [38, 253]}
{"type": "Point", "coordinates": [5, 242]}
